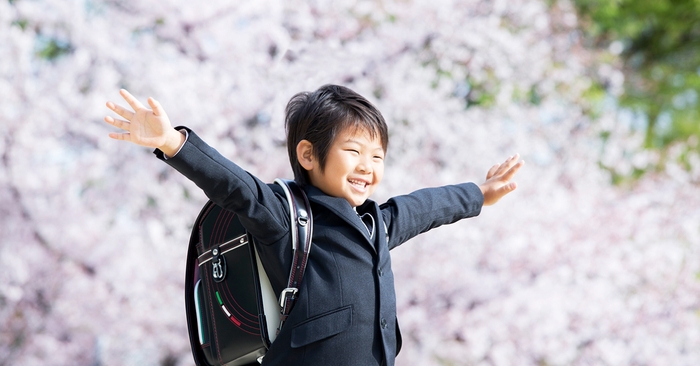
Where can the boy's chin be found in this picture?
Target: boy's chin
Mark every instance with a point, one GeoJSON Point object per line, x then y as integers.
{"type": "Point", "coordinates": [355, 202]}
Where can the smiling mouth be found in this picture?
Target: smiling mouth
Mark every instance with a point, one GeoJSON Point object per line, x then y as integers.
{"type": "Point", "coordinates": [358, 184]}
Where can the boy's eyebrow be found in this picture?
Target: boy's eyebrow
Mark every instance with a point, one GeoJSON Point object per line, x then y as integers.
{"type": "Point", "coordinates": [351, 140]}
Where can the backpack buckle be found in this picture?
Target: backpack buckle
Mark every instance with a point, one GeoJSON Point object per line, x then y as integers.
{"type": "Point", "coordinates": [218, 263]}
{"type": "Point", "coordinates": [290, 293]}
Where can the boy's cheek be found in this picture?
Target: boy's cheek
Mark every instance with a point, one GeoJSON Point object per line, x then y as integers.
{"type": "Point", "coordinates": [379, 173]}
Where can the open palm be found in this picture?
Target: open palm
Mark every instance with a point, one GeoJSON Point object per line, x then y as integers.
{"type": "Point", "coordinates": [145, 127]}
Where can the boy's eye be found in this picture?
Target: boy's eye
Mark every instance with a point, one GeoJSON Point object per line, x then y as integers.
{"type": "Point", "coordinates": [377, 157]}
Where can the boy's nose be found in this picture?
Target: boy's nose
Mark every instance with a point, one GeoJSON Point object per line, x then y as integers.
{"type": "Point", "coordinates": [364, 167]}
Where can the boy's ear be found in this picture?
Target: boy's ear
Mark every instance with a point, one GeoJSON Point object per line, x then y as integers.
{"type": "Point", "coordinates": [305, 154]}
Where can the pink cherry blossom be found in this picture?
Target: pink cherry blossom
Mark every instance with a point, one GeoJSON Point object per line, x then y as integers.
{"type": "Point", "coordinates": [567, 270]}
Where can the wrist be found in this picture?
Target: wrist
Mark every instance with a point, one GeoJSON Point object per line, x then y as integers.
{"type": "Point", "coordinates": [173, 142]}
{"type": "Point", "coordinates": [486, 193]}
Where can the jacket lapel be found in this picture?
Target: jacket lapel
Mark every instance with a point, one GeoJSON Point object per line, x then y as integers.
{"type": "Point", "coordinates": [342, 208]}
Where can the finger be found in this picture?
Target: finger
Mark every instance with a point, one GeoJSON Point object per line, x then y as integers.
{"type": "Point", "coordinates": [156, 107]}
{"type": "Point", "coordinates": [492, 171]}
{"type": "Point", "coordinates": [125, 136]}
{"type": "Point", "coordinates": [508, 164]}
{"type": "Point", "coordinates": [118, 123]}
{"type": "Point", "coordinates": [508, 175]}
{"type": "Point", "coordinates": [133, 102]}
{"type": "Point", "coordinates": [511, 161]}
{"type": "Point", "coordinates": [127, 114]}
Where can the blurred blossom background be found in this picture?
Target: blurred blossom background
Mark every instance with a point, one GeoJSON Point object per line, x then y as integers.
{"type": "Point", "coordinates": [594, 260]}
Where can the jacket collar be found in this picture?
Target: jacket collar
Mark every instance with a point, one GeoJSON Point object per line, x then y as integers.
{"type": "Point", "coordinates": [342, 208]}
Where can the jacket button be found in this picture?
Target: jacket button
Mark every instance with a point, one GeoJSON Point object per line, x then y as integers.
{"type": "Point", "coordinates": [381, 273]}
{"type": "Point", "coordinates": [383, 323]}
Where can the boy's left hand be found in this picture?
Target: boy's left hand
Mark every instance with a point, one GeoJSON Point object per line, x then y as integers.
{"type": "Point", "coordinates": [498, 180]}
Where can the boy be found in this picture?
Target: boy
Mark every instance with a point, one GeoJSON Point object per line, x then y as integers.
{"type": "Point", "coordinates": [346, 310]}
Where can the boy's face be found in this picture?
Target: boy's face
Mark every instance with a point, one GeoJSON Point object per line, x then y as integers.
{"type": "Point", "coordinates": [354, 167]}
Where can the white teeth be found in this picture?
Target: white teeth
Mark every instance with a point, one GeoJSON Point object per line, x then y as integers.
{"type": "Point", "coordinates": [357, 182]}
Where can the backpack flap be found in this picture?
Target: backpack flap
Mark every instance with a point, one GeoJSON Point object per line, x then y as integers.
{"type": "Point", "coordinates": [233, 314]}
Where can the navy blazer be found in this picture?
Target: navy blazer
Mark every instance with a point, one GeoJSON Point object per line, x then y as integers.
{"type": "Point", "coordinates": [346, 310]}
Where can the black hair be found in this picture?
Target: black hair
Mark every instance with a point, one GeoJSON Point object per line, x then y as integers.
{"type": "Point", "coordinates": [321, 115]}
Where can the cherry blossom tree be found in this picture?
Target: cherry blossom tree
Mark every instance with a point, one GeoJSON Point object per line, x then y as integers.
{"type": "Point", "coordinates": [568, 269]}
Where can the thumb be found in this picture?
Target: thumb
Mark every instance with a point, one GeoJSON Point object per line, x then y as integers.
{"type": "Point", "coordinates": [507, 188]}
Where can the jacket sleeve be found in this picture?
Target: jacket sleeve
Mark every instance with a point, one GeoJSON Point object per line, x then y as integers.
{"type": "Point", "coordinates": [262, 212]}
{"type": "Point", "coordinates": [415, 213]}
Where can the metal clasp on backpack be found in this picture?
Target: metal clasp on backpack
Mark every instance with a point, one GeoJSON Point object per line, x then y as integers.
{"type": "Point", "coordinates": [218, 263]}
{"type": "Point", "coordinates": [286, 293]}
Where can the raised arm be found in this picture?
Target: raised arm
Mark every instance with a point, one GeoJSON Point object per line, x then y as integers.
{"type": "Point", "coordinates": [261, 210]}
{"type": "Point", "coordinates": [409, 215]}
{"type": "Point", "coordinates": [145, 127]}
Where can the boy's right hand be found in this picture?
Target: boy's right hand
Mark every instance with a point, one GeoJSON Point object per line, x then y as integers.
{"type": "Point", "coordinates": [150, 128]}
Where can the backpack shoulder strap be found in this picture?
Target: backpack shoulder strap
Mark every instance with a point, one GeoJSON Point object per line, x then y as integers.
{"type": "Point", "coordinates": [302, 230]}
